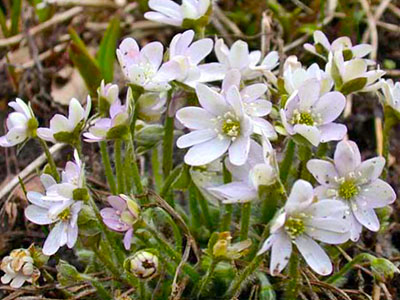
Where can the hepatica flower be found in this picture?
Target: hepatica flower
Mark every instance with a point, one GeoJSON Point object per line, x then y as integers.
{"type": "Point", "coordinates": [322, 46]}
{"type": "Point", "coordinates": [171, 13]}
{"type": "Point", "coordinates": [256, 172]}
{"type": "Point", "coordinates": [310, 115]}
{"type": "Point", "coordinates": [188, 55]}
{"type": "Point", "coordinates": [21, 124]}
{"type": "Point", "coordinates": [302, 221]}
{"type": "Point", "coordinates": [254, 103]}
{"type": "Point", "coordinates": [108, 94]}
{"type": "Point", "coordinates": [355, 183]}
{"type": "Point", "coordinates": [391, 92]}
{"type": "Point", "coordinates": [248, 63]}
{"type": "Point", "coordinates": [143, 68]}
{"type": "Point", "coordinates": [121, 216]}
{"type": "Point", "coordinates": [220, 125]}
{"type": "Point", "coordinates": [67, 130]}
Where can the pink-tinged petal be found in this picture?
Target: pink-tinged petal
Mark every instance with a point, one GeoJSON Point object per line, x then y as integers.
{"type": "Point", "coordinates": [347, 157]}
{"type": "Point", "coordinates": [330, 106]}
{"type": "Point", "coordinates": [195, 118]}
{"type": "Point", "coordinates": [280, 253]}
{"type": "Point", "coordinates": [234, 192]}
{"type": "Point", "coordinates": [72, 236]}
{"type": "Point", "coordinates": [153, 53]}
{"type": "Point", "coordinates": [195, 137]}
{"type": "Point", "coordinates": [18, 281]}
{"type": "Point", "coordinates": [323, 171]}
{"type": "Point", "coordinates": [180, 43]}
{"type": "Point", "coordinates": [46, 134]}
{"type": "Point", "coordinates": [376, 194]}
{"type": "Point", "coordinates": [212, 72]}
{"type": "Point", "coordinates": [91, 138]}
{"type": "Point", "coordinates": [38, 215]}
{"type": "Point", "coordinates": [314, 255]}
{"type": "Point", "coordinates": [264, 128]}
{"type": "Point", "coordinates": [211, 101]}
{"type": "Point", "coordinates": [76, 113]}
{"type": "Point", "coordinates": [267, 244]}
{"type": "Point", "coordinates": [332, 132]}
{"type": "Point", "coordinates": [128, 239]}
{"type": "Point", "coordinates": [168, 71]}
{"type": "Point", "coordinates": [371, 169]}
{"type": "Point", "coordinates": [207, 152]}
{"type": "Point", "coordinates": [309, 94]}
{"type": "Point", "coordinates": [311, 133]}
{"type": "Point", "coordinates": [4, 142]}
{"type": "Point", "coordinates": [235, 100]}
{"type": "Point", "coordinates": [6, 278]}
{"type": "Point", "coordinates": [300, 197]}
{"type": "Point", "coordinates": [288, 127]}
{"type": "Point", "coordinates": [361, 50]}
{"type": "Point", "coordinates": [117, 202]}
{"type": "Point", "coordinates": [167, 7]}
{"type": "Point", "coordinates": [239, 150]}
{"type": "Point", "coordinates": [258, 108]}
{"type": "Point", "coordinates": [54, 239]}
{"type": "Point", "coordinates": [160, 18]}
{"type": "Point", "coordinates": [129, 48]}
{"type": "Point", "coordinates": [36, 198]}
{"type": "Point", "coordinates": [232, 78]}
{"type": "Point", "coordinates": [253, 92]}
{"type": "Point", "coordinates": [239, 55]}
{"type": "Point", "coordinates": [222, 52]}
{"type": "Point", "coordinates": [365, 216]}
{"type": "Point", "coordinates": [199, 50]}
{"type": "Point", "coordinates": [327, 208]}
{"type": "Point", "coordinates": [116, 225]}
{"type": "Point", "coordinates": [110, 213]}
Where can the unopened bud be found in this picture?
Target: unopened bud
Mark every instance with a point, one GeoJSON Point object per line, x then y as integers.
{"type": "Point", "coordinates": [142, 264]}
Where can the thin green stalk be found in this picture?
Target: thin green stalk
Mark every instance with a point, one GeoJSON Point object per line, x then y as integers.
{"type": "Point", "coordinates": [388, 124]}
{"type": "Point", "coordinates": [348, 267]}
{"type": "Point", "coordinates": [107, 262]}
{"type": "Point", "coordinates": [245, 221]}
{"type": "Point", "coordinates": [155, 163]}
{"type": "Point", "coordinates": [292, 291]}
{"type": "Point", "coordinates": [119, 166]}
{"type": "Point", "coordinates": [136, 175]}
{"type": "Point", "coordinates": [50, 160]}
{"type": "Point", "coordinates": [204, 207]}
{"type": "Point", "coordinates": [101, 290]}
{"type": "Point", "coordinates": [194, 209]}
{"type": "Point", "coordinates": [107, 167]}
{"type": "Point", "coordinates": [142, 290]}
{"type": "Point", "coordinates": [227, 217]}
{"type": "Point", "coordinates": [170, 180]}
{"type": "Point", "coordinates": [236, 285]}
{"type": "Point", "coordinates": [287, 161]}
{"type": "Point", "coordinates": [128, 174]}
{"type": "Point", "coordinates": [168, 141]}
{"type": "Point", "coordinates": [305, 155]}
{"type": "Point", "coordinates": [204, 282]}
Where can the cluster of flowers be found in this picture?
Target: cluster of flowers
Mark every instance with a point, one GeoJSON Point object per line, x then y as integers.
{"type": "Point", "coordinates": [230, 122]}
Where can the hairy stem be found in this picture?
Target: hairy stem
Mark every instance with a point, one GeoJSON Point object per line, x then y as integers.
{"type": "Point", "coordinates": [168, 141]}
{"type": "Point", "coordinates": [292, 291]}
{"type": "Point", "coordinates": [204, 282]}
{"type": "Point", "coordinates": [227, 217]}
{"type": "Point", "coordinates": [107, 167]}
{"type": "Point", "coordinates": [287, 161]}
{"type": "Point", "coordinates": [119, 166]}
{"type": "Point", "coordinates": [245, 221]}
{"type": "Point", "coordinates": [50, 160]}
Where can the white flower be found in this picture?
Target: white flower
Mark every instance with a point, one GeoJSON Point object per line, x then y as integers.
{"type": "Point", "coordinates": [344, 72]}
{"type": "Point", "coordinates": [188, 55]}
{"type": "Point", "coordinates": [254, 103]}
{"type": "Point", "coordinates": [354, 182]}
{"type": "Point", "coordinates": [239, 57]}
{"type": "Point", "coordinates": [300, 222]}
{"type": "Point", "coordinates": [66, 130]}
{"type": "Point", "coordinates": [18, 268]}
{"type": "Point", "coordinates": [171, 13]}
{"type": "Point", "coordinates": [256, 172]}
{"type": "Point", "coordinates": [322, 47]}
{"type": "Point", "coordinates": [21, 124]}
{"type": "Point", "coordinates": [220, 125]}
{"type": "Point", "coordinates": [391, 92]}
{"type": "Point", "coordinates": [144, 67]}
{"type": "Point", "coordinates": [312, 116]}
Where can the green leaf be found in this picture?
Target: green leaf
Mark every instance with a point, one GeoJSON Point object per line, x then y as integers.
{"type": "Point", "coordinates": [108, 45]}
{"type": "Point", "coordinates": [85, 63]}
{"type": "Point", "coordinates": [3, 24]}
{"type": "Point", "coordinates": [15, 15]}
{"type": "Point", "coordinates": [353, 85]}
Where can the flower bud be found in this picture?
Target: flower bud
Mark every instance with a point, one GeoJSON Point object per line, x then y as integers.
{"type": "Point", "coordinates": [142, 264]}
{"type": "Point", "coordinates": [151, 106]}
{"type": "Point", "coordinates": [108, 94]}
{"type": "Point", "coordinates": [383, 268]}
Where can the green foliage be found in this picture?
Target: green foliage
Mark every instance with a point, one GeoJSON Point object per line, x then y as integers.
{"type": "Point", "coordinates": [15, 16]}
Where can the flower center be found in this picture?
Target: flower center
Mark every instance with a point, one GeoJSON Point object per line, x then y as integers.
{"type": "Point", "coordinates": [348, 190]}
{"type": "Point", "coordinates": [303, 118]}
{"type": "Point", "coordinates": [294, 227]}
{"type": "Point", "coordinates": [230, 125]}
{"type": "Point", "coordinates": [65, 215]}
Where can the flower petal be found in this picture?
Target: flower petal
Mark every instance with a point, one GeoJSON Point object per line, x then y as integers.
{"type": "Point", "coordinates": [205, 153]}
{"type": "Point", "coordinates": [76, 113]}
{"type": "Point", "coordinates": [199, 50]}
{"type": "Point", "coordinates": [38, 215]}
{"type": "Point", "coordinates": [117, 203]}
{"type": "Point", "coordinates": [210, 100]}
{"type": "Point", "coordinates": [239, 55]}
{"type": "Point", "coordinates": [128, 239]}
{"type": "Point", "coordinates": [195, 117]}
{"type": "Point", "coordinates": [54, 239]}
{"type": "Point", "coordinates": [267, 244]}
{"type": "Point", "coordinates": [366, 216]}
{"type": "Point", "coordinates": [311, 133]}
{"type": "Point", "coordinates": [371, 169]}
{"type": "Point", "coordinates": [160, 18]}
{"type": "Point", "coordinates": [332, 132]}
{"type": "Point", "coordinates": [376, 194]}
{"type": "Point", "coordinates": [234, 192]}
{"type": "Point", "coordinates": [330, 106]}
{"type": "Point", "coordinates": [167, 7]}
{"type": "Point", "coordinates": [280, 253]}
{"type": "Point", "coordinates": [309, 94]}
{"type": "Point", "coordinates": [347, 157]}
{"type": "Point", "coordinates": [195, 137]}
{"type": "Point", "coordinates": [323, 171]}
{"type": "Point", "coordinates": [239, 150]}
{"type": "Point", "coordinates": [301, 196]}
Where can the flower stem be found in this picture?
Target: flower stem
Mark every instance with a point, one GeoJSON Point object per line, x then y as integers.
{"type": "Point", "coordinates": [210, 271]}
{"type": "Point", "coordinates": [203, 206]}
{"type": "Point", "coordinates": [50, 160]}
{"type": "Point", "coordinates": [168, 141]}
{"type": "Point", "coordinates": [194, 209]}
{"type": "Point", "coordinates": [287, 161]}
{"type": "Point", "coordinates": [119, 166]}
{"type": "Point", "coordinates": [291, 291]}
{"type": "Point", "coordinates": [227, 217]}
{"type": "Point", "coordinates": [155, 163]}
{"type": "Point", "coordinates": [305, 155]}
{"type": "Point", "coordinates": [107, 167]}
{"type": "Point", "coordinates": [136, 175]}
{"type": "Point", "coordinates": [245, 221]}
